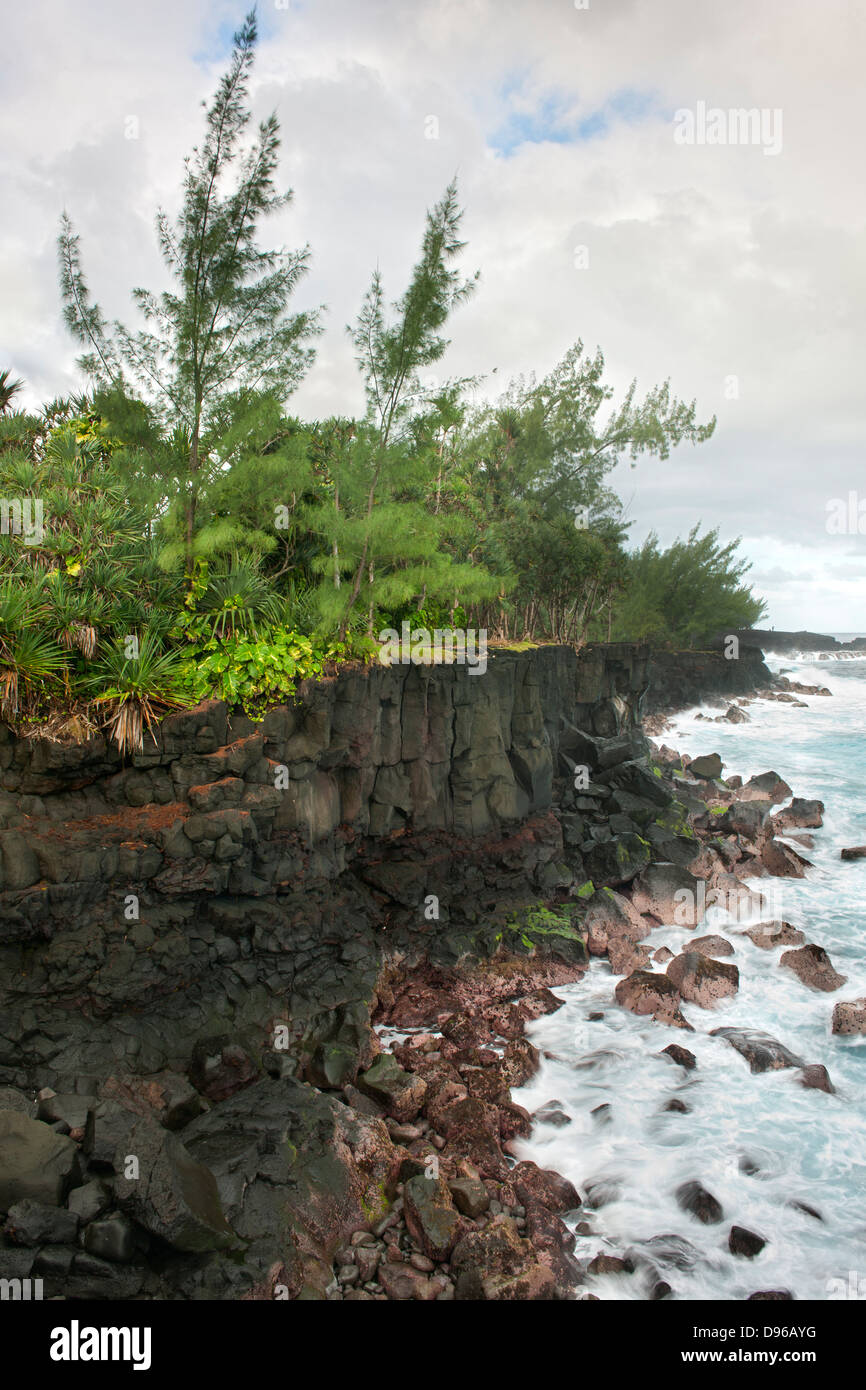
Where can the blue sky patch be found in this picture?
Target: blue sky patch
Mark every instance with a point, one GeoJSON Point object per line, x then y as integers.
{"type": "Point", "coordinates": [556, 117]}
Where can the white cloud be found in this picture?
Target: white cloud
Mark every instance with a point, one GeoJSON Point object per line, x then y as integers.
{"type": "Point", "coordinates": [705, 263]}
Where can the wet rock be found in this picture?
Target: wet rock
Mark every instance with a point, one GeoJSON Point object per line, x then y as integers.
{"type": "Point", "coordinates": [770, 934]}
{"type": "Point", "coordinates": [611, 917]}
{"type": "Point", "coordinates": [761, 1051]}
{"type": "Point", "coordinates": [656, 995]}
{"type": "Point", "coordinates": [781, 861]}
{"type": "Point", "coordinates": [497, 1264]}
{"type": "Point", "coordinates": [709, 767]}
{"type": "Point", "coordinates": [89, 1201]}
{"type": "Point", "coordinates": [543, 1185]}
{"type": "Point", "coordinates": [602, 1192]}
{"type": "Point", "coordinates": [35, 1223]}
{"type": "Point", "coordinates": [470, 1196]}
{"type": "Point", "coordinates": [670, 894]}
{"type": "Point", "coordinates": [744, 1242]}
{"type": "Point", "coordinates": [624, 957]}
{"type": "Point", "coordinates": [856, 852]}
{"type": "Point", "coordinates": [401, 1093]}
{"type": "Point", "coordinates": [815, 1077]}
{"type": "Point", "coordinates": [766, 786]}
{"type": "Point", "coordinates": [801, 814]}
{"type": "Point", "coordinates": [552, 1114]}
{"type": "Point", "coordinates": [702, 980]}
{"type": "Point", "coordinates": [617, 861]}
{"type": "Point", "coordinates": [806, 1210]}
{"type": "Point", "coordinates": [849, 1017]}
{"type": "Point", "coordinates": [520, 1062]}
{"type": "Point", "coordinates": [711, 946]}
{"type": "Point", "coordinates": [680, 1055]}
{"type": "Point", "coordinates": [431, 1216]}
{"type": "Point", "coordinates": [111, 1239]}
{"type": "Point", "coordinates": [35, 1162]}
{"type": "Point", "coordinates": [770, 1296]}
{"type": "Point", "coordinates": [813, 966]}
{"type": "Point", "coordinates": [402, 1282]}
{"type": "Point", "coordinates": [662, 955]}
{"type": "Point", "coordinates": [609, 1264]}
{"type": "Point", "coordinates": [602, 1114]}
{"type": "Point", "coordinates": [700, 1203]}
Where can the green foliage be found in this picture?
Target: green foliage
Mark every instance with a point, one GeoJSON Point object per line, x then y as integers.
{"type": "Point", "coordinates": [687, 593]}
{"type": "Point", "coordinates": [255, 673]}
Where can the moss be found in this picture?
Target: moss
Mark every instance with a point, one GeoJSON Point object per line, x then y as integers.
{"type": "Point", "coordinates": [374, 1203]}
{"type": "Point", "coordinates": [719, 810]}
{"type": "Point", "coordinates": [587, 889]}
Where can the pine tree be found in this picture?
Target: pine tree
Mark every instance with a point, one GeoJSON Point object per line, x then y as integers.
{"type": "Point", "coordinates": [222, 338]}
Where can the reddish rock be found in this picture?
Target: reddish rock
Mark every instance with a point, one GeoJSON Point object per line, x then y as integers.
{"type": "Point", "coordinates": [657, 995]}
{"type": "Point", "coordinates": [849, 1017]}
{"type": "Point", "coordinates": [815, 1077]}
{"type": "Point", "coordinates": [856, 852]}
{"type": "Point", "coordinates": [813, 966]}
{"type": "Point", "coordinates": [711, 946]}
{"type": "Point", "coordinates": [770, 934]}
{"type": "Point", "coordinates": [702, 980]}
{"type": "Point", "coordinates": [681, 1056]}
{"type": "Point", "coordinates": [167, 1097]}
{"type": "Point", "coordinates": [612, 917]}
{"type": "Point", "coordinates": [520, 1062]}
{"type": "Point", "coordinates": [781, 861]}
{"type": "Point", "coordinates": [624, 957]}
{"type": "Point", "coordinates": [800, 814]}
{"type": "Point", "coordinates": [545, 1186]}
{"type": "Point", "coordinates": [431, 1216]}
{"type": "Point", "coordinates": [399, 1092]}
{"type": "Point", "coordinates": [497, 1265]}
{"type": "Point", "coordinates": [402, 1282]}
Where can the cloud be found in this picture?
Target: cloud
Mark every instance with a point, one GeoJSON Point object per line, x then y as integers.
{"type": "Point", "coordinates": [738, 276]}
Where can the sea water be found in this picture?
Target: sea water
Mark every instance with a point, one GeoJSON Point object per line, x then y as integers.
{"type": "Point", "coordinates": [758, 1143]}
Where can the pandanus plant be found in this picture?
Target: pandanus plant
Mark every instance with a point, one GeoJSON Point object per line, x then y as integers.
{"type": "Point", "coordinates": [137, 682]}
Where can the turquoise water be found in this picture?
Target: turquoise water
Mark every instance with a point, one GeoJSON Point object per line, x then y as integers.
{"type": "Point", "coordinates": [807, 1146]}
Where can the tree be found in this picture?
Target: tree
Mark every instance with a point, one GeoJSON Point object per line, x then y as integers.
{"type": "Point", "coordinates": [223, 336]}
{"type": "Point", "coordinates": [9, 389]}
{"type": "Point", "coordinates": [365, 526]}
{"type": "Point", "coordinates": [686, 593]}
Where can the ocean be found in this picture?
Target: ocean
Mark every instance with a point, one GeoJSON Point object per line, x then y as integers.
{"type": "Point", "coordinates": [759, 1143]}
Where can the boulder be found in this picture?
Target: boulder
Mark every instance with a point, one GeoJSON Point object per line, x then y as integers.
{"type": "Point", "coordinates": [680, 1055]}
{"type": "Point", "coordinates": [496, 1264]}
{"type": "Point", "coordinates": [801, 814]}
{"type": "Point", "coordinates": [815, 1077]}
{"type": "Point", "coordinates": [431, 1216]}
{"type": "Point", "coordinates": [855, 852]}
{"type": "Point", "coordinates": [761, 1051]}
{"type": "Point", "coordinates": [781, 860]}
{"type": "Point", "coordinates": [613, 862]}
{"type": "Point", "coordinates": [670, 894]}
{"type": "Point", "coordinates": [695, 1199]}
{"type": "Point", "coordinates": [708, 767]}
{"type": "Point", "coordinates": [610, 916]}
{"type": "Point", "coordinates": [767, 786]}
{"type": "Point", "coordinates": [702, 980]}
{"type": "Point", "coordinates": [35, 1161]}
{"type": "Point", "coordinates": [813, 966]}
{"type": "Point", "coordinates": [711, 946]}
{"type": "Point", "coordinates": [168, 1097]}
{"type": "Point", "coordinates": [770, 934]}
{"type": "Point", "coordinates": [168, 1192]}
{"type": "Point", "coordinates": [35, 1223]}
{"type": "Point", "coordinates": [850, 1017]}
{"type": "Point", "coordinates": [403, 1283]}
{"type": "Point", "coordinates": [644, 992]}
{"type": "Point", "coordinates": [470, 1196]}
{"type": "Point", "coordinates": [624, 957]}
{"type": "Point", "coordinates": [401, 1093]}
{"type": "Point", "coordinates": [744, 1242]}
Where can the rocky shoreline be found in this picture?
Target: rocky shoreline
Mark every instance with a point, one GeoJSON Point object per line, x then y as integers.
{"type": "Point", "coordinates": [465, 1043]}
{"type": "Point", "coordinates": [289, 1075]}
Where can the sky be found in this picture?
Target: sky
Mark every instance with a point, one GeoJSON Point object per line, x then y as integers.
{"type": "Point", "coordinates": [612, 194]}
